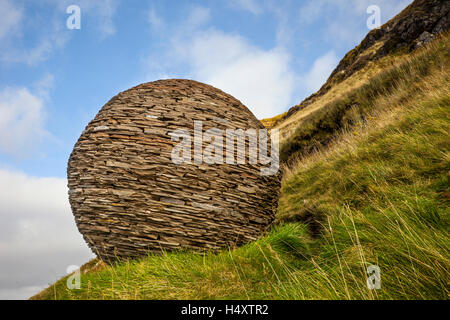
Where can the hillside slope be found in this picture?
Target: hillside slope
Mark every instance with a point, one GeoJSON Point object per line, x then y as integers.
{"type": "Point", "coordinates": [376, 193]}
{"type": "Point", "coordinates": [418, 24]}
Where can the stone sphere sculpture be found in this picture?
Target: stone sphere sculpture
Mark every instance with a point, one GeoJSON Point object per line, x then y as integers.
{"type": "Point", "coordinates": [131, 196]}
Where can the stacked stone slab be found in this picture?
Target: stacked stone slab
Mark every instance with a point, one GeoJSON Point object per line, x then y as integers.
{"type": "Point", "coordinates": [129, 198]}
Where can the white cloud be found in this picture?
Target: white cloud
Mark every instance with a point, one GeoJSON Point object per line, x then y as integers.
{"type": "Point", "coordinates": [52, 38]}
{"type": "Point", "coordinates": [311, 11]}
{"type": "Point", "coordinates": [102, 12]}
{"type": "Point", "coordinates": [314, 10]}
{"type": "Point", "coordinates": [22, 117]}
{"type": "Point", "coordinates": [50, 34]}
{"type": "Point", "coordinates": [249, 5]}
{"type": "Point", "coordinates": [13, 49]}
{"type": "Point", "coordinates": [105, 12]}
{"type": "Point", "coordinates": [343, 19]}
{"type": "Point", "coordinates": [320, 71]}
{"type": "Point", "coordinates": [388, 8]}
{"type": "Point", "coordinates": [21, 120]}
{"type": "Point", "coordinates": [285, 32]}
{"type": "Point", "coordinates": [197, 17]}
{"type": "Point", "coordinates": [44, 85]}
{"type": "Point", "coordinates": [155, 20]}
{"type": "Point", "coordinates": [38, 236]}
{"type": "Point", "coordinates": [261, 78]}
{"type": "Point", "coordinates": [11, 17]}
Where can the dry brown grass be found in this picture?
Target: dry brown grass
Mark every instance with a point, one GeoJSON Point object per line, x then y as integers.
{"type": "Point", "coordinates": [339, 90]}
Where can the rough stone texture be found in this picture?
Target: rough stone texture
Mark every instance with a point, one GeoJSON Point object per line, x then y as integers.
{"type": "Point", "coordinates": [127, 195]}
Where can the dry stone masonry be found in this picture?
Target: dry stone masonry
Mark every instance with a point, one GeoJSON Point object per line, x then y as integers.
{"type": "Point", "coordinates": [128, 196]}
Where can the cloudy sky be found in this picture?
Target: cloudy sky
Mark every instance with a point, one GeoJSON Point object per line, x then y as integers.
{"type": "Point", "coordinates": [269, 54]}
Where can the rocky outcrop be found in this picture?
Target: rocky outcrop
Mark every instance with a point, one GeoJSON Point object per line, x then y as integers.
{"type": "Point", "coordinates": [414, 27]}
{"type": "Point", "coordinates": [129, 197]}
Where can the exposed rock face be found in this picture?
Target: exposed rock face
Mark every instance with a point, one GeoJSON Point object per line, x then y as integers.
{"type": "Point", "coordinates": [422, 19]}
{"type": "Point", "coordinates": [129, 197]}
{"type": "Point", "coordinates": [412, 28]}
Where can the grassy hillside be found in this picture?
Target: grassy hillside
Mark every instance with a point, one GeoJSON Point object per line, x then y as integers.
{"type": "Point", "coordinates": [372, 189]}
{"type": "Point", "coordinates": [269, 123]}
{"type": "Point", "coordinates": [418, 24]}
{"type": "Point", "coordinates": [319, 123]}
{"type": "Point", "coordinates": [288, 124]}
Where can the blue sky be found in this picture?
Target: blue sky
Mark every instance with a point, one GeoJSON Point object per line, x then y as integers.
{"type": "Point", "coordinates": [270, 54]}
